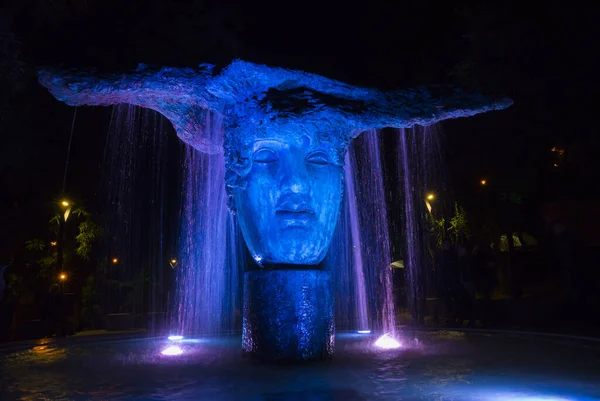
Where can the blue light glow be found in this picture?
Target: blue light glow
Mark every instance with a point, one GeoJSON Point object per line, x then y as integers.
{"type": "Point", "coordinates": [284, 135]}
{"type": "Point", "coordinates": [518, 393]}
{"type": "Point", "coordinates": [364, 331]}
{"type": "Point", "coordinates": [519, 396]}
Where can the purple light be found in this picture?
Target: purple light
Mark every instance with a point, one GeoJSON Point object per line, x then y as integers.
{"type": "Point", "coordinates": [387, 342]}
{"type": "Point", "coordinates": [172, 350]}
{"type": "Point", "coordinates": [364, 331]}
{"type": "Point", "coordinates": [175, 338]}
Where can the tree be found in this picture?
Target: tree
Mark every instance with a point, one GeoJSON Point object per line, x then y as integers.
{"type": "Point", "coordinates": [38, 271]}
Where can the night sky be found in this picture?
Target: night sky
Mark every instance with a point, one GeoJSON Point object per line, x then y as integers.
{"type": "Point", "coordinates": [542, 57]}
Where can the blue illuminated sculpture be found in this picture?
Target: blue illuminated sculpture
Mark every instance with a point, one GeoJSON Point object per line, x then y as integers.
{"type": "Point", "coordinates": [285, 136]}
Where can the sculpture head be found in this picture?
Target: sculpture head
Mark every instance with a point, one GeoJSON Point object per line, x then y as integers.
{"type": "Point", "coordinates": [285, 184]}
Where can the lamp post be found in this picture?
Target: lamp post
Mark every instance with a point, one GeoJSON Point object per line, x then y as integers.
{"type": "Point", "coordinates": [62, 220]}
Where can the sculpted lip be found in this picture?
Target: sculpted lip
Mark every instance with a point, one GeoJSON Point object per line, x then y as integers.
{"type": "Point", "coordinates": [289, 208]}
{"type": "Point", "coordinates": [295, 214]}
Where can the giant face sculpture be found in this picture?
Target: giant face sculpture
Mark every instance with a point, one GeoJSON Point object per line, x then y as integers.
{"type": "Point", "coordinates": [283, 162]}
{"type": "Point", "coordinates": [288, 195]}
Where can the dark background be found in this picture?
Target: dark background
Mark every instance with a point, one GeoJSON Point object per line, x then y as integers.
{"type": "Point", "coordinates": [543, 56]}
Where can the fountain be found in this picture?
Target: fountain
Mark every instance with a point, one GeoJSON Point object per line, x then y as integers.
{"type": "Point", "coordinates": [284, 143]}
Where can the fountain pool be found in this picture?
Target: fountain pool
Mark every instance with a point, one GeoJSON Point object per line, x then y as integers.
{"type": "Point", "coordinates": [431, 365]}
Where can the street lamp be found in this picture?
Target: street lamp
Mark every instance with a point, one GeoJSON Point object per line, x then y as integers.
{"type": "Point", "coordinates": [62, 277]}
{"type": "Point", "coordinates": [173, 262]}
{"type": "Point", "coordinates": [115, 261]}
{"type": "Point", "coordinates": [483, 182]}
{"type": "Point", "coordinates": [67, 205]}
{"type": "Point", "coordinates": [61, 232]}
{"type": "Point", "coordinates": [428, 199]}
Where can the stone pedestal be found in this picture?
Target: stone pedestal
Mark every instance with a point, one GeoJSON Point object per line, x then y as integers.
{"type": "Point", "coordinates": [288, 315]}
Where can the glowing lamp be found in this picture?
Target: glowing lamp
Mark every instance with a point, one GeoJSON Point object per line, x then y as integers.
{"type": "Point", "coordinates": [364, 331]}
{"type": "Point", "coordinates": [430, 197]}
{"type": "Point", "coordinates": [175, 338]}
{"type": "Point", "coordinates": [387, 342]}
{"type": "Point", "coordinates": [53, 243]}
{"type": "Point", "coordinates": [62, 277]}
{"type": "Point", "coordinates": [65, 203]}
{"type": "Point", "coordinates": [483, 182]}
{"type": "Point", "coordinates": [173, 261]}
{"type": "Point", "coordinates": [115, 261]}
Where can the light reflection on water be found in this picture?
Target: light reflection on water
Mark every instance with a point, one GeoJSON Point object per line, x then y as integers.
{"type": "Point", "coordinates": [441, 367]}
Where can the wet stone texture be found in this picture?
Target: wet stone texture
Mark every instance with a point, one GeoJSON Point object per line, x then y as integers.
{"type": "Point", "coordinates": [288, 315]}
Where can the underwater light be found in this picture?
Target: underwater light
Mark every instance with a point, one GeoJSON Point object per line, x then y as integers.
{"type": "Point", "coordinates": [521, 397]}
{"type": "Point", "coordinates": [175, 338]}
{"type": "Point", "coordinates": [364, 331]}
{"type": "Point", "coordinates": [387, 342]}
{"type": "Point", "coordinates": [527, 395]}
{"type": "Point", "coordinates": [172, 350]}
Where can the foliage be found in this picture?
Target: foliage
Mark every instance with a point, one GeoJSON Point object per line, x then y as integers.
{"type": "Point", "coordinates": [35, 245]}
{"type": "Point", "coordinates": [436, 227]}
{"type": "Point", "coordinates": [42, 257]}
{"type": "Point", "coordinates": [88, 233]}
{"type": "Point", "coordinates": [456, 230]}
{"type": "Point", "coordinates": [459, 226]}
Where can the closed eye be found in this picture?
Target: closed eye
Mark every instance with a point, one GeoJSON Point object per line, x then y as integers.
{"type": "Point", "coordinates": [318, 158]}
{"type": "Point", "coordinates": [265, 156]}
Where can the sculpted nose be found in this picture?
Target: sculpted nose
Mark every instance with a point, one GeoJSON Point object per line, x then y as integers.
{"type": "Point", "coordinates": [294, 179]}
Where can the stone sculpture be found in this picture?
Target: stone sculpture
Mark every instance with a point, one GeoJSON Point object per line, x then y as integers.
{"type": "Point", "coordinates": [285, 134]}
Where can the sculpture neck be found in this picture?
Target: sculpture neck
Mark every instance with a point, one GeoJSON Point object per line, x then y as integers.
{"type": "Point", "coordinates": [283, 266]}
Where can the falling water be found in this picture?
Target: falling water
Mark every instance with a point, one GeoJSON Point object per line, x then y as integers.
{"type": "Point", "coordinates": [374, 223]}
{"type": "Point", "coordinates": [420, 167]}
{"type": "Point", "coordinates": [135, 189]}
{"type": "Point", "coordinates": [209, 264]}
{"type": "Point", "coordinates": [360, 253]}
{"type": "Point", "coordinates": [339, 262]}
{"type": "Point", "coordinates": [367, 225]}
{"type": "Point", "coordinates": [360, 299]}
{"type": "Point", "coordinates": [208, 267]}
{"type": "Point", "coordinates": [411, 251]}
